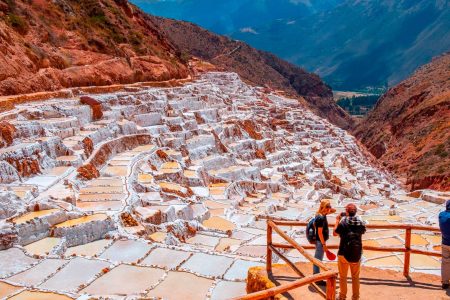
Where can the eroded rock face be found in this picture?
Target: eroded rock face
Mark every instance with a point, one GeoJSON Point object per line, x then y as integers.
{"type": "Point", "coordinates": [10, 204]}
{"type": "Point", "coordinates": [408, 130]}
{"type": "Point", "coordinates": [96, 107]}
{"type": "Point", "coordinates": [36, 60]}
{"type": "Point", "coordinates": [88, 146]}
{"type": "Point", "coordinates": [88, 172]}
{"type": "Point", "coordinates": [25, 166]}
{"type": "Point", "coordinates": [8, 173]}
{"type": "Point", "coordinates": [7, 132]}
{"type": "Point", "coordinates": [182, 229]}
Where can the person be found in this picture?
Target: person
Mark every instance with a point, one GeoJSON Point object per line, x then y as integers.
{"type": "Point", "coordinates": [322, 232]}
{"type": "Point", "coordinates": [350, 229]}
{"type": "Point", "coordinates": [444, 225]}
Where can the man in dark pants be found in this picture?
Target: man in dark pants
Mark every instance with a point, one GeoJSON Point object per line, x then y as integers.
{"type": "Point", "coordinates": [444, 225]}
{"type": "Point", "coordinates": [350, 229]}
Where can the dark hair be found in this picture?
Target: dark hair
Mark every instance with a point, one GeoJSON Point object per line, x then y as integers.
{"type": "Point", "coordinates": [352, 213]}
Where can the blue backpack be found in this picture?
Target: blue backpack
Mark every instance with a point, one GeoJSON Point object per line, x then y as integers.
{"type": "Point", "coordinates": [311, 231]}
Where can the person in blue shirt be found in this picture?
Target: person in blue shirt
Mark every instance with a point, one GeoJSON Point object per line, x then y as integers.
{"type": "Point", "coordinates": [444, 225]}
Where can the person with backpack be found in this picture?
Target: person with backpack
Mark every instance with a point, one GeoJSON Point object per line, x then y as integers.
{"type": "Point", "coordinates": [318, 232]}
{"type": "Point", "coordinates": [350, 229]}
{"type": "Point", "coordinates": [444, 225]}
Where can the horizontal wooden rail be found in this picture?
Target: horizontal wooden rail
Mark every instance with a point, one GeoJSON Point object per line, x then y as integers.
{"type": "Point", "coordinates": [287, 286]}
{"type": "Point", "coordinates": [370, 226]}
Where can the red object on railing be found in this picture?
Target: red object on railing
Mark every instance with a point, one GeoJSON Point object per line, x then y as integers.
{"type": "Point", "coordinates": [330, 255]}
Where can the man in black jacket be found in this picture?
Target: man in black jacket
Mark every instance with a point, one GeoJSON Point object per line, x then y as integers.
{"type": "Point", "coordinates": [350, 229]}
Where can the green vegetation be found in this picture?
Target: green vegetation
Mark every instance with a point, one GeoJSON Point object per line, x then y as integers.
{"type": "Point", "coordinates": [18, 23]}
{"type": "Point", "coordinates": [440, 151]}
{"type": "Point", "coordinates": [359, 105]}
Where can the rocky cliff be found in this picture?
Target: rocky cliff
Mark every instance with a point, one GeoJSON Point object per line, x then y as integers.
{"type": "Point", "coordinates": [48, 45]}
{"type": "Point", "coordinates": [255, 66]}
{"type": "Point", "coordinates": [409, 129]}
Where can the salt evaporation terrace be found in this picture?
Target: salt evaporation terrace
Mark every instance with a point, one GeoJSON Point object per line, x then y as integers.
{"type": "Point", "coordinates": [164, 192]}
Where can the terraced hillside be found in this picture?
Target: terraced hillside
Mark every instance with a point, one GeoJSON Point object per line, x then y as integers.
{"type": "Point", "coordinates": [155, 192]}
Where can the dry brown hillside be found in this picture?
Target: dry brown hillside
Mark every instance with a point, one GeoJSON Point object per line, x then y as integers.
{"type": "Point", "coordinates": [52, 44]}
{"type": "Point", "coordinates": [409, 129]}
{"type": "Point", "coordinates": [255, 66]}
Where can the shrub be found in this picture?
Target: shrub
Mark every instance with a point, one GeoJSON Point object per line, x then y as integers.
{"type": "Point", "coordinates": [18, 23]}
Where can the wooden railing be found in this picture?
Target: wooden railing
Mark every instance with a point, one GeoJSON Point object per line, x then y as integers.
{"type": "Point", "coordinates": [327, 274]}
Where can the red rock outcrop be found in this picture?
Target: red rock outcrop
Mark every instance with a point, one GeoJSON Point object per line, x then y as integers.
{"type": "Point", "coordinates": [409, 128]}
{"type": "Point", "coordinates": [181, 230]}
{"type": "Point", "coordinates": [128, 220]}
{"type": "Point", "coordinates": [7, 132]}
{"type": "Point", "coordinates": [96, 107]}
{"type": "Point", "coordinates": [88, 146]}
{"type": "Point", "coordinates": [249, 127]}
{"type": "Point", "coordinates": [100, 156]}
{"type": "Point", "coordinates": [60, 44]}
{"type": "Point", "coordinates": [88, 172]}
{"type": "Point", "coordinates": [26, 166]}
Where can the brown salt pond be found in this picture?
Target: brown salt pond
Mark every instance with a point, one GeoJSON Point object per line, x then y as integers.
{"type": "Point", "coordinates": [99, 206]}
{"type": "Point", "coordinates": [116, 170]}
{"type": "Point", "coordinates": [203, 240]}
{"type": "Point", "coordinates": [35, 295]}
{"type": "Point", "coordinates": [77, 272]}
{"type": "Point", "coordinates": [227, 289]}
{"type": "Point", "coordinates": [219, 223]}
{"type": "Point", "coordinates": [207, 264]}
{"type": "Point", "coordinates": [112, 283]}
{"type": "Point", "coordinates": [179, 285]}
{"type": "Point", "coordinates": [102, 190]}
{"type": "Point", "coordinates": [13, 260]}
{"type": "Point", "coordinates": [385, 262]}
{"type": "Point", "coordinates": [38, 273]}
{"type": "Point", "coordinates": [128, 251]}
{"type": "Point", "coordinates": [101, 197]}
{"type": "Point", "coordinates": [166, 258]}
{"type": "Point", "coordinates": [145, 178]}
{"type": "Point", "coordinates": [42, 247]}
{"type": "Point", "coordinates": [158, 237]}
{"type": "Point", "coordinates": [89, 249]}
{"type": "Point", "coordinates": [7, 289]}
{"type": "Point", "coordinates": [82, 220]}
{"type": "Point", "coordinates": [31, 215]}
{"type": "Point", "coordinates": [227, 244]}
{"type": "Point", "coordinates": [424, 262]}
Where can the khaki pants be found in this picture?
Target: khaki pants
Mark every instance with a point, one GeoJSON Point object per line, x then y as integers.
{"type": "Point", "coordinates": [355, 269]}
{"type": "Point", "coordinates": [445, 268]}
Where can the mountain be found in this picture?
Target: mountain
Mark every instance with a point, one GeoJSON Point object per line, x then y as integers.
{"type": "Point", "coordinates": [49, 45]}
{"type": "Point", "coordinates": [352, 44]}
{"type": "Point", "coordinates": [255, 66]}
{"type": "Point", "coordinates": [409, 128]}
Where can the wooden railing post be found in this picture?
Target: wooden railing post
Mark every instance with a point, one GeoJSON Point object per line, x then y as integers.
{"type": "Point", "coordinates": [269, 251]}
{"type": "Point", "coordinates": [407, 252]}
{"type": "Point", "coordinates": [331, 288]}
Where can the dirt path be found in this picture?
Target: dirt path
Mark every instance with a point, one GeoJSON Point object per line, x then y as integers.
{"type": "Point", "coordinates": [376, 284]}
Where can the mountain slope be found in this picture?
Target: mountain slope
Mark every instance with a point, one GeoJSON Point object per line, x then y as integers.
{"type": "Point", "coordinates": [351, 44]}
{"type": "Point", "coordinates": [258, 67]}
{"type": "Point", "coordinates": [409, 128]}
{"type": "Point", "coordinates": [48, 45]}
